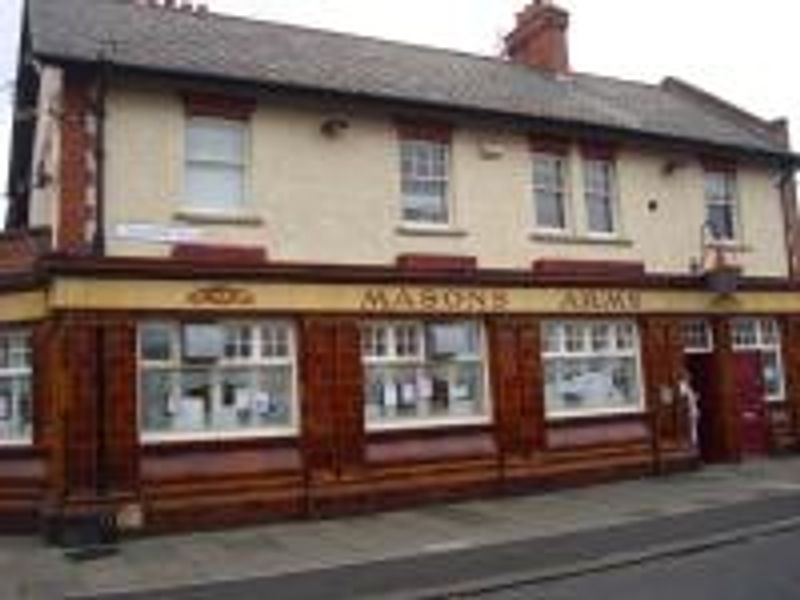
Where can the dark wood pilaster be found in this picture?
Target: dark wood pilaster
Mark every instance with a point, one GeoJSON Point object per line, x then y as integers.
{"type": "Point", "coordinates": [332, 398]}
{"type": "Point", "coordinates": [517, 381]}
{"type": "Point", "coordinates": [791, 359]}
{"type": "Point", "coordinates": [92, 439]}
{"type": "Point", "coordinates": [662, 361]}
{"type": "Point", "coordinates": [726, 421]}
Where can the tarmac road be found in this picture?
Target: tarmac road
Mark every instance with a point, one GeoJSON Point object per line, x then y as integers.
{"type": "Point", "coordinates": [765, 568]}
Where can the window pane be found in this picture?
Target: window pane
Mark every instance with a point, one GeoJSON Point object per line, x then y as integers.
{"type": "Point", "coordinates": [424, 174]}
{"type": "Point", "coordinates": [599, 214]}
{"type": "Point", "coordinates": [591, 384]}
{"type": "Point", "coordinates": [238, 342]}
{"type": "Point", "coordinates": [15, 408]}
{"type": "Point", "coordinates": [214, 186]}
{"type": "Point", "coordinates": [211, 140]}
{"type": "Point", "coordinates": [245, 390]}
{"type": "Point", "coordinates": [772, 374]}
{"type": "Point", "coordinates": [744, 333]}
{"type": "Point", "coordinates": [159, 399]}
{"type": "Point", "coordinates": [275, 341]}
{"type": "Point", "coordinates": [697, 336]}
{"type": "Point", "coordinates": [156, 342]}
{"type": "Point", "coordinates": [550, 210]}
{"type": "Point", "coordinates": [721, 221]}
{"type": "Point", "coordinates": [405, 384]}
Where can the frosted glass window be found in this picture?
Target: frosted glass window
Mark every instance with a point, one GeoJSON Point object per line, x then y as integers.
{"type": "Point", "coordinates": [596, 370]}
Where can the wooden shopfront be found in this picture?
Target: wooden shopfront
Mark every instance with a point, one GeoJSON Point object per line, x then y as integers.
{"type": "Point", "coordinates": [173, 402]}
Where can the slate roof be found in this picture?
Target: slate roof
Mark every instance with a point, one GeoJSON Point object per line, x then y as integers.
{"type": "Point", "coordinates": [297, 57]}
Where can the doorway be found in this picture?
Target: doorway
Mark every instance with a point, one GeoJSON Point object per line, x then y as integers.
{"type": "Point", "coordinates": [745, 432]}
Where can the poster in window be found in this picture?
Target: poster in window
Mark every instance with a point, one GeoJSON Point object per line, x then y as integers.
{"type": "Point", "coordinates": [5, 407]}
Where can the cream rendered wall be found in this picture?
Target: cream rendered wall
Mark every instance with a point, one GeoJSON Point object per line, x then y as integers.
{"type": "Point", "coordinates": [336, 200]}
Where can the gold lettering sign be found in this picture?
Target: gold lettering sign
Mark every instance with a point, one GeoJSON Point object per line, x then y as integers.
{"type": "Point", "coordinates": [435, 300]}
{"type": "Point", "coordinates": [601, 301]}
{"type": "Point", "coordinates": [222, 295]}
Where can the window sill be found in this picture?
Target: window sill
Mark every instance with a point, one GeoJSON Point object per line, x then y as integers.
{"type": "Point", "coordinates": [587, 415]}
{"type": "Point", "coordinates": [177, 438]}
{"type": "Point", "coordinates": [729, 246]}
{"type": "Point", "coordinates": [422, 230]}
{"type": "Point", "coordinates": [201, 217]}
{"type": "Point", "coordinates": [588, 240]}
{"type": "Point", "coordinates": [414, 424]}
{"type": "Point", "coordinates": [13, 444]}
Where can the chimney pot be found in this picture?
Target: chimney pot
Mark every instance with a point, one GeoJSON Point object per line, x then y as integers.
{"type": "Point", "coordinates": [540, 37]}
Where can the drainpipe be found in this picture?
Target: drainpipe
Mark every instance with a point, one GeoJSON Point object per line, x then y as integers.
{"type": "Point", "coordinates": [99, 239]}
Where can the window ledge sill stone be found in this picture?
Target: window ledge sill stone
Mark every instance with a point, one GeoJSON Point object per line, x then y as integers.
{"type": "Point", "coordinates": [211, 218]}
{"type": "Point", "coordinates": [569, 238]}
{"type": "Point", "coordinates": [430, 230]}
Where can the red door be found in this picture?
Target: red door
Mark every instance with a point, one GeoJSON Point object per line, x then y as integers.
{"type": "Point", "coordinates": [751, 402]}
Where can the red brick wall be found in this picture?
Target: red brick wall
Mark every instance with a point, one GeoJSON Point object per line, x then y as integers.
{"type": "Point", "coordinates": [76, 178]}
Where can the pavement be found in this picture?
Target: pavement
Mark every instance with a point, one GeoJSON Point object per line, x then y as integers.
{"type": "Point", "coordinates": [442, 551]}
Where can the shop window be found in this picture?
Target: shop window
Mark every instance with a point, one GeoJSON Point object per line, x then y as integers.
{"type": "Point", "coordinates": [424, 373]}
{"type": "Point", "coordinates": [591, 368]}
{"type": "Point", "coordinates": [697, 337]}
{"type": "Point", "coordinates": [425, 166]}
{"type": "Point", "coordinates": [550, 177]}
{"type": "Point", "coordinates": [16, 403]}
{"type": "Point", "coordinates": [600, 192]}
{"type": "Point", "coordinates": [216, 164]}
{"type": "Point", "coordinates": [721, 211]}
{"type": "Point", "coordinates": [216, 379]}
{"type": "Point", "coordinates": [762, 336]}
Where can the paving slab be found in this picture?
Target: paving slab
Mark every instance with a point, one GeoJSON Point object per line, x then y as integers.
{"type": "Point", "coordinates": [32, 570]}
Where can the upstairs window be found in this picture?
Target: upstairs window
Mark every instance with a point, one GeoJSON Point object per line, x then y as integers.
{"type": "Point", "coordinates": [550, 191]}
{"type": "Point", "coordinates": [216, 163]}
{"type": "Point", "coordinates": [600, 193]}
{"type": "Point", "coordinates": [721, 217]}
{"type": "Point", "coordinates": [15, 387]}
{"type": "Point", "coordinates": [425, 173]}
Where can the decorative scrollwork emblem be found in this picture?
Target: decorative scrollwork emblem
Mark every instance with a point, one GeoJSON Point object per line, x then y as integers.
{"type": "Point", "coordinates": [222, 295]}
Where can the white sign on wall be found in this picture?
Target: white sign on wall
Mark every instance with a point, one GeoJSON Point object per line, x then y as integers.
{"type": "Point", "coordinates": [155, 233]}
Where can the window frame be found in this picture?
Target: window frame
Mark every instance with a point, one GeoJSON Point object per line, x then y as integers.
{"type": "Point", "coordinates": [420, 359]}
{"type": "Point", "coordinates": [640, 408]}
{"type": "Point", "coordinates": [689, 328]}
{"type": "Point", "coordinates": [178, 363]}
{"type": "Point", "coordinates": [612, 194]}
{"type": "Point", "coordinates": [414, 141]}
{"type": "Point", "coordinates": [730, 202]}
{"type": "Point", "coordinates": [763, 347]}
{"type": "Point", "coordinates": [244, 168]}
{"type": "Point", "coordinates": [557, 158]}
{"type": "Point", "coordinates": [21, 372]}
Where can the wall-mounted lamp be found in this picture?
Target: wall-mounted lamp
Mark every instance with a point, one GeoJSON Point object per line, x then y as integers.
{"type": "Point", "coordinates": [333, 127]}
{"type": "Point", "coordinates": [721, 277]}
{"type": "Point", "coordinates": [671, 165]}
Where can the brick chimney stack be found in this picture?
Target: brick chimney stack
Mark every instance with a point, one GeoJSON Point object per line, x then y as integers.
{"type": "Point", "coordinates": [540, 37]}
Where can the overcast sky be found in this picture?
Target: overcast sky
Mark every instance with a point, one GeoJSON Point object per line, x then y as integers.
{"type": "Point", "coordinates": [742, 50]}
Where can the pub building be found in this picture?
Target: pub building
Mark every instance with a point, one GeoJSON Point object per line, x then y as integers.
{"type": "Point", "coordinates": [255, 272]}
